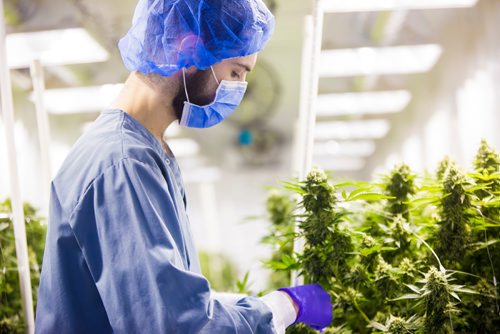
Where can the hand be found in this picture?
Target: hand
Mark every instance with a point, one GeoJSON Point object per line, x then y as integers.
{"type": "Point", "coordinates": [315, 307]}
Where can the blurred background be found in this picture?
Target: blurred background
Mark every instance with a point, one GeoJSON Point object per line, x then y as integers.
{"type": "Point", "coordinates": [407, 80]}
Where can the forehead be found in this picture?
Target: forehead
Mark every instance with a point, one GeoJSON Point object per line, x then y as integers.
{"type": "Point", "coordinates": [247, 62]}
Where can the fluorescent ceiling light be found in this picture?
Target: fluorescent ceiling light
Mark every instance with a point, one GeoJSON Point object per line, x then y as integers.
{"type": "Point", "coordinates": [341, 164]}
{"type": "Point", "coordinates": [379, 61]}
{"type": "Point", "coordinates": [367, 129]}
{"type": "Point", "coordinates": [362, 103]}
{"type": "Point", "coordinates": [334, 148]}
{"type": "Point", "coordinates": [53, 47]}
{"type": "Point", "coordinates": [344, 6]}
{"type": "Point", "coordinates": [81, 99]}
{"type": "Point", "coordinates": [183, 147]}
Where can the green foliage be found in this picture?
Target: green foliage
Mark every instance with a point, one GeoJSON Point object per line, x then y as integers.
{"type": "Point", "coordinates": [328, 243]}
{"type": "Point", "coordinates": [487, 162]}
{"type": "Point", "coordinates": [400, 185]}
{"type": "Point", "coordinates": [454, 227]}
{"type": "Point", "coordinates": [443, 168]}
{"type": "Point", "coordinates": [11, 314]}
{"type": "Point", "coordinates": [280, 208]}
{"type": "Point", "coordinates": [409, 254]}
{"type": "Point", "coordinates": [242, 286]}
{"type": "Point", "coordinates": [219, 271]}
{"type": "Point", "coordinates": [12, 15]}
{"type": "Point", "coordinates": [397, 325]}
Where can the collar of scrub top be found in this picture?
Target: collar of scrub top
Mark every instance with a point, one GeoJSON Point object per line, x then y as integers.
{"type": "Point", "coordinates": [157, 146]}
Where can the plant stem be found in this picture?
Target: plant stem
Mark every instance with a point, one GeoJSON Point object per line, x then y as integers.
{"type": "Point", "coordinates": [361, 311]}
{"type": "Point", "coordinates": [441, 267]}
{"type": "Point", "coordinates": [492, 270]}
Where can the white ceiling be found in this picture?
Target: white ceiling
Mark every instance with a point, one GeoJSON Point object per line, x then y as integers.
{"type": "Point", "coordinates": [107, 21]}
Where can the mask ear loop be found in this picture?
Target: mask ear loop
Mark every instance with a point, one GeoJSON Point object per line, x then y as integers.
{"type": "Point", "coordinates": [185, 87]}
{"type": "Point", "coordinates": [213, 72]}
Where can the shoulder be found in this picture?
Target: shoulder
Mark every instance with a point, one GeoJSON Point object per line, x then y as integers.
{"type": "Point", "coordinates": [108, 148]}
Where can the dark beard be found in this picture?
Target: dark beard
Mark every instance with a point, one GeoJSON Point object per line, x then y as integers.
{"type": "Point", "coordinates": [201, 89]}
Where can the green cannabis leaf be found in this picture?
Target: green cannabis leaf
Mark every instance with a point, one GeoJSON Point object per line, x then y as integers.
{"type": "Point", "coordinates": [405, 254]}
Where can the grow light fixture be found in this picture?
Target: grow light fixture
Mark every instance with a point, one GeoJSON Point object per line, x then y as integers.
{"type": "Point", "coordinates": [334, 148]}
{"type": "Point", "coordinates": [379, 61]}
{"type": "Point", "coordinates": [343, 130]}
{"type": "Point", "coordinates": [345, 6]}
{"type": "Point", "coordinates": [362, 103]}
{"type": "Point", "coordinates": [53, 47]}
{"type": "Point", "coordinates": [81, 99]}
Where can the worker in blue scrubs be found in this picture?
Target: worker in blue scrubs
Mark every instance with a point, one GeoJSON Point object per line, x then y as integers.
{"type": "Point", "coordinates": [119, 254]}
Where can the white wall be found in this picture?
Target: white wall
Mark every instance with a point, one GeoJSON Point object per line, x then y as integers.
{"type": "Point", "coordinates": [457, 106]}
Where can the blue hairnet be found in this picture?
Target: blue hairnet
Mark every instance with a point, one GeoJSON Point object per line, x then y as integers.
{"type": "Point", "coordinates": [167, 35]}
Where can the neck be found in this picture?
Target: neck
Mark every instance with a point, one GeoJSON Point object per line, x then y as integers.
{"type": "Point", "coordinates": [148, 99]}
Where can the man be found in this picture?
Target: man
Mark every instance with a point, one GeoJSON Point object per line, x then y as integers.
{"type": "Point", "coordinates": [119, 255]}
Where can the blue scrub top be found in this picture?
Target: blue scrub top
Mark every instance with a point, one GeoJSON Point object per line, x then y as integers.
{"type": "Point", "coordinates": [119, 255]}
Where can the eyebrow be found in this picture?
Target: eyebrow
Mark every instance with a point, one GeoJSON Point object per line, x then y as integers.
{"type": "Point", "coordinates": [246, 67]}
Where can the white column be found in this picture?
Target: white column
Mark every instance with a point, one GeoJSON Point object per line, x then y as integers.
{"type": "Point", "coordinates": [17, 206]}
{"type": "Point", "coordinates": [37, 76]}
{"type": "Point", "coordinates": [303, 151]}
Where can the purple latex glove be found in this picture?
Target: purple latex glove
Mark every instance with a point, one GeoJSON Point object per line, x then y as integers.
{"type": "Point", "coordinates": [315, 306]}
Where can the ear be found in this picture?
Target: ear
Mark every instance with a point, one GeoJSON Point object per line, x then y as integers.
{"type": "Point", "coordinates": [190, 70]}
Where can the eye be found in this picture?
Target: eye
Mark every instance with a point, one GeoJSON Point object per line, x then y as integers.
{"type": "Point", "coordinates": [235, 75]}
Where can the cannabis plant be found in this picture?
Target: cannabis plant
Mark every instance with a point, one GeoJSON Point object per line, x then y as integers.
{"type": "Point", "coordinates": [281, 212]}
{"type": "Point", "coordinates": [11, 315]}
{"type": "Point", "coordinates": [328, 242]}
{"type": "Point", "coordinates": [397, 325]}
{"type": "Point", "coordinates": [482, 314]}
{"type": "Point", "coordinates": [409, 254]}
{"type": "Point", "coordinates": [454, 227]}
{"type": "Point", "coordinates": [400, 185]}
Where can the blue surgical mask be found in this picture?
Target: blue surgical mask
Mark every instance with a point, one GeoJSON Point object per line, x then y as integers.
{"type": "Point", "coordinates": [227, 97]}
